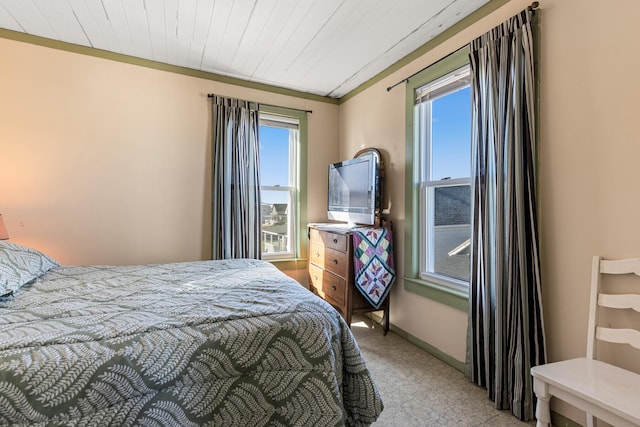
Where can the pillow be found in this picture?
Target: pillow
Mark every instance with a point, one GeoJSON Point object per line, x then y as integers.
{"type": "Point", "coordinates": [20, 265]}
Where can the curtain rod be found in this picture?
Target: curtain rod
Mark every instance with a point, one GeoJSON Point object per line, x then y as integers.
{"type": "Point", "coordinates": [406, 79]}
{"type": "Point", "coordinates": [211, 95]}
{"type": "Point", "coordinates": [533, 6]}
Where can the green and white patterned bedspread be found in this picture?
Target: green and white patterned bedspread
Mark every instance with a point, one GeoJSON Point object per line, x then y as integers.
{"type": "Point", "coordinates": [222, 343]}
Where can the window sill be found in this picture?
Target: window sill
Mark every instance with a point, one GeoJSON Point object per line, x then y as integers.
{"type": "Point", "coordinates": [442, 294]}
{"type": "Point", "coordinates": [289, 264]}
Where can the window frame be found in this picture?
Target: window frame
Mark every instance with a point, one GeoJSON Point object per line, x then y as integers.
{"type": "Point", "coordinates": [438, 88]}
{"type": "Point", "coordinates": [428, 287]}
{"type": "Point", "coordinates": [285, 122]}
{"type": "Point", "coordinates": [299, 242]}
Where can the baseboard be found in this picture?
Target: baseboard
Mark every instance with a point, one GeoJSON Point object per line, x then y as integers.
{"type": "Point", "coordinates": [434, 351]}
{"type": "Point", "coordinates": [557, 420]}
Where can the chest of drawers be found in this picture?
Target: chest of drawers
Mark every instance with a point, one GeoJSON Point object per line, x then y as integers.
{"type": "Point", "coordinates": [331, 273]}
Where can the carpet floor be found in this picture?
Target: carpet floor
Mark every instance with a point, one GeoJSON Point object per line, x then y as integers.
{"type": "Point", "coordinates": [418, 389]}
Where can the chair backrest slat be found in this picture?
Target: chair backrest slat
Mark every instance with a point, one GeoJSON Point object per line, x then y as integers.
{"type": "Point", "coordinates": [620, 336]}
{"type": "Point", "coordinates": [621, 301]}
{"type": "Point", "coordinates": [627, 301]}
{"type": "Point", "coordinates": [620, 266]}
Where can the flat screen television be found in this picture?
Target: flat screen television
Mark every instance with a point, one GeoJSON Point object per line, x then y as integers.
{"type": "Point", "coordinates": [354, 190]}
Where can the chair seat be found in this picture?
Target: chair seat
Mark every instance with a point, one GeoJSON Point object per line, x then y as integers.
{"type": "Point", "coordinates": [610, 387]}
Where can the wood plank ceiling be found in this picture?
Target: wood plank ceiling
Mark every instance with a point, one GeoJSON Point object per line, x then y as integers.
{"type": "Point", "coordinates": [323, 47]}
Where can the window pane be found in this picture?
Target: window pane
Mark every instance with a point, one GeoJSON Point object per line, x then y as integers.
{"type": "Point", "coordinates": [451, 135]}
{"type": "Point", "coordinates": [275, 161]}
{"type": "Point", "coordinates": [452, 231]}
{"type": "Point", "coordinates": [276, 219]}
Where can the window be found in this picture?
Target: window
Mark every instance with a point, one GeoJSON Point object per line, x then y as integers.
{"type": "Point", "coordinates": [438, 181]}
{"type": "Point", "coordinates": [443, 133]}
{"type": "Point", "coordinates": [280, 189]}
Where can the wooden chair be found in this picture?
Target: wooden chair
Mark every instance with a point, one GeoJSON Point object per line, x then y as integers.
{"type": "Point", "coordinates": [604, 391]}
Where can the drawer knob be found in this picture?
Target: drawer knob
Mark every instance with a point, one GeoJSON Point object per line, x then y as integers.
{"type": "Point", "coordinates": [317, 254]}
{"type": "Point", "coordinates": [315, 277]}
{"type": "Point", "coordinates": [335, 261]}
{"type": "Point", "coordinates": [335, 240]}
{"type": "Point", "coordinates": [334, 287]}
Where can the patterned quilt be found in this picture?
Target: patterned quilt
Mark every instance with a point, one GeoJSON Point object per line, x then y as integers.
{"type": "Point", "coordinates": [373, 263]}
{"type": "Point", "coordinates": [221, 343]}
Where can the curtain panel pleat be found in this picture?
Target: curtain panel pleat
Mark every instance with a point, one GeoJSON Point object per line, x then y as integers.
{"type": "Point", "coordinates": [236, 187]}
{"type": "Point", "coordinates": [506, 329]}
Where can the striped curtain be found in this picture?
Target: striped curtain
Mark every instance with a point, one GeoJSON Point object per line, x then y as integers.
{"type": "Point", "coordinates": [236, 187]}
{"type": "Point", "coordinates": [506, 330]}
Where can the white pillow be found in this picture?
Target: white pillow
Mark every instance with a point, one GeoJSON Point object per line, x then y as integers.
{"type": "Point", "coordinates": [20, 265]}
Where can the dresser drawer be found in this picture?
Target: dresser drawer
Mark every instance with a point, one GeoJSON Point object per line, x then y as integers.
{"type": "Point", "coordinates": [335, 261]}
{"type": "Point", "coordinates": [329, 286]}
{"type": "Point", "coordinates": [331, 271]}
{"type": "Point", "coordinates": [328, 239]}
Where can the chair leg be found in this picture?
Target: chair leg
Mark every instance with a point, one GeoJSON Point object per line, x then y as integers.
{"type": "Point", "coordinates": [543, 411]}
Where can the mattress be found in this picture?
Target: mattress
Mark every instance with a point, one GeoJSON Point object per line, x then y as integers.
{"type": "Point", "coordinates": [223, 343]}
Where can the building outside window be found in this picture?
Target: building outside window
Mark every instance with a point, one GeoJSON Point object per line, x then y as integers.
{"type": "Point", "coordinates": [442, 126]}
{"type": "Point", "coordinates": [279, 189]}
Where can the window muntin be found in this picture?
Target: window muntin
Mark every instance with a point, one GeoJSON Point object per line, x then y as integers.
{"type": "Point", "coordinates": [442, 115]}
{"type": "Point", "coordinates": [279, 139]}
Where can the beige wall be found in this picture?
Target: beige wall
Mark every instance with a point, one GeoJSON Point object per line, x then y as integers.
{"type": "Point", "coordinates": [588, 170]}
{"type": "Point", "coordinates": [103, 162]}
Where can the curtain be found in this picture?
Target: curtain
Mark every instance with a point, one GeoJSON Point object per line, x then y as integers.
{"type": "Point", "coordinates": [236, 187]}
{"type": "Point", "coordinates": [506, 330]}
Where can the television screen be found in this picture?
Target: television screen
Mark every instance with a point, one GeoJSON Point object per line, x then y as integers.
{"type": "Point", "coordinates": [353, 190]}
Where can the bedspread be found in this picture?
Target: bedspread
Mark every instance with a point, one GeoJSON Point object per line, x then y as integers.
{"type": "Point", "coordinates": [224, 343]}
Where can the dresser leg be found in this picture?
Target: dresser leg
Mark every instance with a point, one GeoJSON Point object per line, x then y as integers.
{"type": "Point", "coordinates": [386, 316]}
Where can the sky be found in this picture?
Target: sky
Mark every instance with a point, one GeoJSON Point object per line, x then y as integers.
{"type": "Point", "coordinates": [451, 150]}
{"type": "Point", "coordinates": [274, 149]}
{"type": "Point", "coordinates": [451, 141]}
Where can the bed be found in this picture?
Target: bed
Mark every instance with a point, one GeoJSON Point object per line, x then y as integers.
{"type": "Point", "coordinates": [222, 343]}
